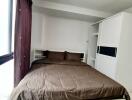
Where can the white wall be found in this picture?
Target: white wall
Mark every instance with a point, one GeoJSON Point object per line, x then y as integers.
{"type": "Point", "coordinates": [124, 69]}
{"type": "Point", "coordinates": [37, 23]}
{"type": "Point", "coordinates": [60, 34]}
{"type": "Point", "coordinates": [64, 34]}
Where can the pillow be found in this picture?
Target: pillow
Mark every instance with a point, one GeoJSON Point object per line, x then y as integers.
{"type": "Point", "coordinates": [73, 56]}
{"type": "Point", "coordinates": [53, 55]}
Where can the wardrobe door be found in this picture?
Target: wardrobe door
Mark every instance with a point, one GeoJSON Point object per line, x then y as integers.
{"type": "Point", "coordinates": [106, 65]}
{"type": "Point", "coordinates": [110, 30]}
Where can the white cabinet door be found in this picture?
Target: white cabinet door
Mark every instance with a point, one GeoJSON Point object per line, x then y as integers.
{"type": "Point", "coordinates": [110, 30]}
{"type": "Point", "coordinates": [106, 65]}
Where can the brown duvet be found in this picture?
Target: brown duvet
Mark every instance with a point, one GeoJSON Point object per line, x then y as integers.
{"type": "Point", "coordinates": [66, 81]}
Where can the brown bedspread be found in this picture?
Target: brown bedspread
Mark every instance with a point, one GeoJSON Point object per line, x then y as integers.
{"type": "Point", "coordinates": [66, 81]}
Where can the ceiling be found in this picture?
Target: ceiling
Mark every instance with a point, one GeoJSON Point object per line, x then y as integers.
{"type": "Point", "coordinates": [64, 14]}
{"type": "Point", "coordinates": [87, 10]}
{"type": "Point", "coordinates": [112, 6]}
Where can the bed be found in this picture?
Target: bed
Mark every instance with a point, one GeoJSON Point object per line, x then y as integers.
{"type": "Point", "coordinates": [56, 79]}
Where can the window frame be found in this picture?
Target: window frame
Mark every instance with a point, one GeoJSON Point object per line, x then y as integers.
{"type": "Point", "coordinates": [5, 58]}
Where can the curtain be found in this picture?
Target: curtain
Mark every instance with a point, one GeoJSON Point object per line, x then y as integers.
{"type": "Point", "coordinates": [22, 39]}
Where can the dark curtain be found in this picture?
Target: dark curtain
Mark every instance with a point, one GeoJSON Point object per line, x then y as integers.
{"type": "Point", "coordinates": [22, 39]}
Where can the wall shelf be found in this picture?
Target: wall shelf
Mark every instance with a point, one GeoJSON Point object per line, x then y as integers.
{"type": "Point", "coordinates": [95, 34]}
{"type": "Point", "coordinates": [92, 58]}
{"type": "Point", "coordinates": [38, 54]}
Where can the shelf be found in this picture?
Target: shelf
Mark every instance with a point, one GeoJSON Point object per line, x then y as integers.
{"type": "Point", "coordinates": [38, 54]}
{"type": "Point", "coordinates": [95, 34]}
{"type": "Point", "coordinates": [40, 57]}
{"type": "Point", "coordinates": [93, 59]}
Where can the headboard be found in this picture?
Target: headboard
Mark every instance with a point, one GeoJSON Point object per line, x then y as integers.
{"type": "Point", "coordinates": [45, 53]}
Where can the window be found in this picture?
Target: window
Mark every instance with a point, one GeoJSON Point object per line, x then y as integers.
{"type": "Point", "coordinates": [5, 30]}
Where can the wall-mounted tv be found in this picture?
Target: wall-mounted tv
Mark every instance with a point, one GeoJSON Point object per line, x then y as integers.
{"type": "Point", "coordinates": [109, 51]}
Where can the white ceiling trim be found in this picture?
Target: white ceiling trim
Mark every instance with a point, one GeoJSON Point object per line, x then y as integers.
{"type": "Point", "coordinates": [70, 8]}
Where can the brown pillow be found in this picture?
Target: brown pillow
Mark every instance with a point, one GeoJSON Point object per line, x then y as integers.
{"type": "Point", "coordinates": [53, 55]}
{"type": "Point", "coordinates": [73, 56]}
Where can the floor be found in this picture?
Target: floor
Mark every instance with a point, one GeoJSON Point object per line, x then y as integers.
{"type": "Point", "coordinates": [6, 79]}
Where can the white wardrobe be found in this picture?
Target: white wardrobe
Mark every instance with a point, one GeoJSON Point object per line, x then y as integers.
{"type": "Point", "coordinates": [116, 32]}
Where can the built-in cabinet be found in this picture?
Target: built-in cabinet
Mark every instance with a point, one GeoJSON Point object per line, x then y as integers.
{"type": "Point", "coordinates": [109, 36]}
{"type": "Point", "coordinates": [110, 30]}
{"type": "Point", "coordinates": [115, 33]}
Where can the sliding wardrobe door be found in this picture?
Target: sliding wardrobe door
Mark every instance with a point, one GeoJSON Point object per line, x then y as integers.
{"type": "Point", "coordinates": [106, 65]}
{"type": "Point", "coordinates": [108, 43]}
{"type": "Point", "coordinates": [110, 30]}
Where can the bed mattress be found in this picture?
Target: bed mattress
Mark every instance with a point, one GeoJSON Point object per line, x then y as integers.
{"type": "Point", "coordinates": [66, 81]}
